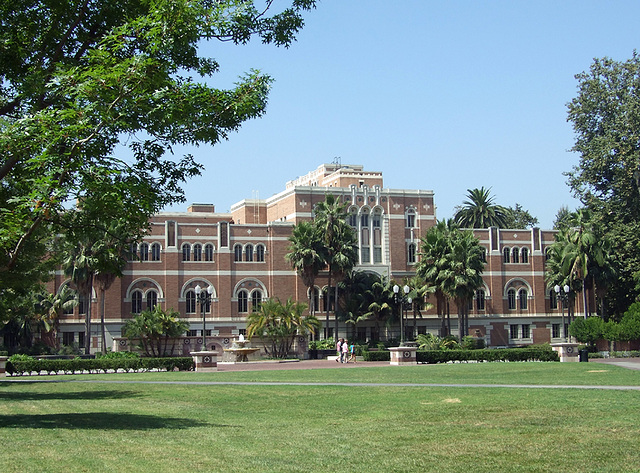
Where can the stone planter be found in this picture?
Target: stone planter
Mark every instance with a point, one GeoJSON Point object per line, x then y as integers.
{"type": "Point", "coordinates": [568, 352]}
{"type": "Point", "coordinates": [3, 366]}
{"type": "Point", "coordinates": [403, 356]}
{"type": "Point", "coordinates": [205, 361]}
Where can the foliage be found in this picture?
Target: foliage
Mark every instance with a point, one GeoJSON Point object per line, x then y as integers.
{"type": "Point", "coordinates": [472, 343]}
{"type": "Point", "coordinates": [502, 354]}
{"type": "Point", "coordinates": [606, 122]}
{"type": "Point", "coordinates": [98, 365]}
{"type": "Point", "coordinates": [116, 355]}
{"type": "Point", "coordinates": [81, 80]}
{"type": "Point", "coordinates": [155, 328]}
{"type": "Point", "coordinates": [480, 211]}
{"type": "Point", "coordinates": [587, 330]}
{"type": "Point", "coordinates": [279, 323]}
{"type": "Point", "coordinates": [517, 217]}
{"type": "Point", "coordinates": [380, 355]}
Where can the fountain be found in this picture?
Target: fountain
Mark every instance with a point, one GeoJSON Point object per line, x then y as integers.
{"type": "Point", "coordinates": [240, 349]}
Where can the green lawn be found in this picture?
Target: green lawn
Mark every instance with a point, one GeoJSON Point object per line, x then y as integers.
{"type": "Point", "coordinates": [76, 426]}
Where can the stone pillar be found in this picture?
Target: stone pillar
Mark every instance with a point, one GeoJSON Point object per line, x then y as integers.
{"type": "Point", "coordinates": [205, 361]}
{"type": "Point", "coordinates": [3, 366]}
{"type": "Point", "coordinates": [566, 351]}
{"type": "Point", "coordinates": [403, 356]}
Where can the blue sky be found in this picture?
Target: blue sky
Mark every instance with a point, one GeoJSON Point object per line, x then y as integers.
{"type": "Point", "coordinates": [437, 95]}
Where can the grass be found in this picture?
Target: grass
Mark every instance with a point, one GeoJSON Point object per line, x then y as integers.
{"type": "Point", "coordinates": [99, 426]}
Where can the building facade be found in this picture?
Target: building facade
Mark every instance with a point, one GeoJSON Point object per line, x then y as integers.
{"type": "Point", "coordinates": [241, 255]}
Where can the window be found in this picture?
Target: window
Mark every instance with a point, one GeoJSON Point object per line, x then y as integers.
{"type": "Point", "coordinates": [242, 301]}
{"type": "Point", "coordinates": [411, 256]}
{"type": "Point", "coordinates": [155, 252]}
{"type": "Point", "coordinates": [511, 298]}
{"type": "Point", "coordinates": [208, 252]}
{"type": "Point", "coordinates": [133, 252]}
{"type": "Point", "coordinates": [315, 299]}
{"type": "Point", "coordinates": [364, 220]}
{"type": "Point", "coordinates": [260, 253]}
{"type": "Point", "coordinates": [197, 252]}
{"type": "Point", "coordinates": [144, 252]}
{"type": "Point", "coordinates": [526, 331]}
{"type": "Point", "coordinates": [506, 255]}
{"type": "Point", "coordinates": [377, 220]}
{"type": "Point", "coordinates": [524, 255]}
{"type": "Point", "coordinates": [377, 254]}
{"type": "Point", "coordinates": [186, 252]}
{"type": "Point", "coordinates": [480, 299]}
{"type": "Point", "coordinates": [365, 255]}
{"type": "Point", "coordinates": [515, 255]}
{"type": "Point", "coordinates": [248, 253]}
{"type": "Point", "coordinates": [136, 302]}
{"type": "Point", "coordinates": [513, 331]}
{"type": "Point", "coordinates": [484, 255]}
{"type": "Point", "coordinates": [256, 300]}
{"type": "Point", "coordinates": [191, 302]}
{"type": "Point", "coordinates": [68, 338]}
{"type": "Point", "coordinates": [522, 299]}
{"type": "Point", "coordinates": [555, 330]}
{"type": "Point", "coordinates": [152, 300]}
{"type": "Point", "coordinates": [353, 219]}
{"type": "Point", "coordinates": [237, 252]}
{"type": "Point", "coordinates": [82, 304]}
{"type": "Point", "coordinates": [411, 219]}
{"type": "Point", "coordinates": [553, 299]}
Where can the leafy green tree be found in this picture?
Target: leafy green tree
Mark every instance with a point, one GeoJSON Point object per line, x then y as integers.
{"type": "Point", "coordinates": [480, 211]}
{"type": "Point", "coordinates": [279, 323]}
{"type": "Point", "coordinates": [340, 244]}
{"type": "Point", "coordinates": [587, 330]}
{"type": "Point", "coordinates": [606, 123]}
{"type": "Point", "coordinates": [306, 255]}
{"type": "Point", "coordinates": [563, 217]}
{"type": "Point", "coordinates": [155, 329]}
{"type": "Point", "coordinates": [79, 77]}
{"type": "Point", "coordinates": [517, 217]}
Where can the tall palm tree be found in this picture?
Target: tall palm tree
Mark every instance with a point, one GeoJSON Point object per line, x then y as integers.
{"type": "Point", "coordinates": [339, 241]}
{"type": "Point", "coordinates": [480, 211]}
{"type": "Point", "coordinates": [306, 256]}
{"type": "Point", "coordinates": [50, 307]}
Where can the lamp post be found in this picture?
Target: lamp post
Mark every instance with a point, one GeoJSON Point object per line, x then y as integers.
{"type": "Point", "coordinates": [564, 297]}
{"type": "Point", "coordinates": [401, 300]}
{"type": "Point", "coordinates": [204, 297]}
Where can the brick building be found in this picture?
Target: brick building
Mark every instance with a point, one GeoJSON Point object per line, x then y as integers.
{"type": "Point", "coordinates": [241, 255]}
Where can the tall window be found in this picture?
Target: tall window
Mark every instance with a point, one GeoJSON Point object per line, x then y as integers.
{"type": "Point", "coordinates": [82, 304]}
{"type": "Point", "coordinates": [197, 252]}
{"type": "Point", "coordinates": [152, 300]}
{"type": "Point", "coordinates": [353, 219]}
{"type": "Point", "coordinates": [144, 252]}
{"type": "Point", "coordinates": [186, 252]}
{"type": "Point", "coordinates": [242, 301]}
{"type": "Point", "coordinates": [256, 300]}
{"type": "Point", "coordinates": [513, 331]}
{"type": "Point", "coordinates": [526, 331]}
{"type": "Point", "coordinates": [315, 299]}
{"type": "Point", "coordinates": [480, 299]}
{"type": "Point", "coordinates": [411, 253]}
{"type": "Point", "coordinates": [248, 253]}
{"type": "Point", "coordinates": [260, 253]}
{"type": "Point", "coordinates": [524, 255]}
{"type": "Point", "coordinates": [511, 298]}
{"type": "Point", "coordinates": [136, 302]}
{"type": "Point", "coordinates": [515, 255]}
{"type": "Point", "coordinates": [506, 255]}
{"type": "Point", "coordinates": [237, 252]}
{"type": "Point", "coordinates": [553, 299]}
{"type": "Point", "coordinates": [365, 255]}
{"type": "Point", "coordinates": [377, 220]}
{"type": "Point", "coordinates": [191, 302]}
{"type": "Point", "coordinates": [155, 252]}
{"type": "Point", "coordinates": [208, 252]}
{"type": "Point", "coordinates": [522, 299]}
{"type": "Point", "coordinates": [364, 220]}
{"type": "Point", "coordinates": [133, 251]}
{"type": "Point", "coordinates": [411, 219]}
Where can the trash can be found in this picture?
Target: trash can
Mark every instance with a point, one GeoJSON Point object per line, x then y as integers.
{"type": "Point", "coordinates": [583, 355]}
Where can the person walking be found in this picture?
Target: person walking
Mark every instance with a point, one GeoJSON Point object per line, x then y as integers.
{"type": "Point", "coordinates": [339, 350]}
{"type": "Point", "coordinates": [345, 350]}
{"type": "Point", "coordinates": [352, 352]}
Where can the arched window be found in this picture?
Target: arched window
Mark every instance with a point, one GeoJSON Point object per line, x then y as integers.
{"type": "Point", "coordinates": [511, 298]}
{"type": "Point", "coordinates": [506, 252]}
{"type": "Point", "coordinates": [524, 253]}
{"type": "Point", "coordinates": [186, 252]}
{"type": "Point", "coordinates": [133, 252]}
{"type": "Point", "coordinates": [480, 299]}
{"type": "Point", "coordinates": [260, 253]}
{"type": "Point", "coordinates": [237, 252]}
{"type": "Point", "coordinates": [553, 299]}
{"type": "Point", "coordinates": [136, 302]}
{"type": "Point", "coordinates": [484, 255]}
{"type": "Point", "coordinates": [248, 253]}
{"type": "Point", "coordinates": [155, 252]}
{"type": "Point", "coordinates": [191, 302]}
{"type": "Point", "coordinates": [376, 219]}
{"type": "Point", "coordinates": [353, 219]}
{"type": "Point", "coordinates": [522, 299]}
{"type": "Point", "coordinates": [152, 300]}
{"type": "Point", "coordinates": [144, 252]}
{"type": "Point", "coordinates": [515, 254]}
{"type": "Point", "coordinates": [411, 218]}
{"type": "Point", "coordinates": [208, 252]}
{"type": "Point", "coordinates": [364, 220]}
{"type": "Point", "coordinates": [315, 300]}
{"type": "Point", "coordinates": [411, 253]}
{"type": "Point", "coordinates": [242, 301]}
{"type": "Point", "coordinates": [197, 252]}
{"type": "Point", "coordinates": [256, 300]}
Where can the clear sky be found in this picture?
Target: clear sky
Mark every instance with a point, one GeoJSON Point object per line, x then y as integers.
{"type": "Point", "coordinates": [437, 95]}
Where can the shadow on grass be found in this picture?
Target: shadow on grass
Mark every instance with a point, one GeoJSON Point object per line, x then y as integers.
{"type": "Point", "coordinates": [96, 421]}
{"type": "Point", "coordinates": [21, 395]}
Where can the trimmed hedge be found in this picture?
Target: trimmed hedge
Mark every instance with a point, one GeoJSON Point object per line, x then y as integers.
{"type": "Point", "coordinates": [500, 354]}
{"type": "Point", "coordinates": [98, 365]}
{"type": "Point", "coordinates": [380, 355]}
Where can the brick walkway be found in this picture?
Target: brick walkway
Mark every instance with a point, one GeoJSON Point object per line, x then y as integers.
{"type": "Point", "coordinates": [295, 365]}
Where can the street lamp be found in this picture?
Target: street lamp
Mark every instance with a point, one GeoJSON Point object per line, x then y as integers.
{"type": "Point", "coordinates": [405, 299]}
{"type": "Point", "coordinates": [564, 297]}
{"type": "Point", "coordinates": [204, 297]}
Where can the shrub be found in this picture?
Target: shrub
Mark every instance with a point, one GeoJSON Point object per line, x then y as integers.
{"type": "Point", "coordinates": [381, 355]}
{"type": "Point", "coordinates": [541, 353]}
{"type": "Point", "coordinates": [98, 365]}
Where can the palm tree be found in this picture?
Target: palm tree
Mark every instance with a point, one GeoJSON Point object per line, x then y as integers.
{"type": "Point", "coordinates": [479, 211]}
{"type": "Point", "coordinates": [306, 256]}
{"type": "Point", "coordinates": [339, 241]}
{"type": "Point", "coordinates": [50, 307]}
